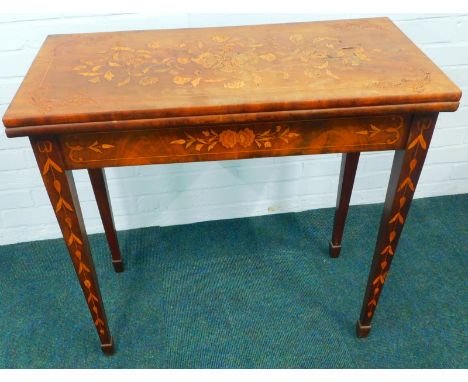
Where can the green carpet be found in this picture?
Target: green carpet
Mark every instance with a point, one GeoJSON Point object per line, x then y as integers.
{"type": "Point", "coordinates": [247, 293]}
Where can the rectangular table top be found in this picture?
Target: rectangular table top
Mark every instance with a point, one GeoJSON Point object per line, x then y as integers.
{"type": "Point", "coordinates": [79, 78]}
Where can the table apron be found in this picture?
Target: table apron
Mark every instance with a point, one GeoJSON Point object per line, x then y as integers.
{"type": "Point", "coordinates": [236, 141]}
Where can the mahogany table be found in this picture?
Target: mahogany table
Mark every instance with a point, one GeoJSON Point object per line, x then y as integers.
{"type": "Point", "coordinates": [96, 100]}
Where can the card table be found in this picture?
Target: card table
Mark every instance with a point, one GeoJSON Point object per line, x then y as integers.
{"type": "Point", "coordinates": [97, 100]}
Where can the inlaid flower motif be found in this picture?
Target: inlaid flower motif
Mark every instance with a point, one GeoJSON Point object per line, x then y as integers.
{"type": "Point", "coordinates": [246, 137]}
{"type": "Point", "coordinates": [129, 57]}
{"type": "Point", "coordinates": [206, 59]}
{"type": "Point", "coordinates": [228, 138]}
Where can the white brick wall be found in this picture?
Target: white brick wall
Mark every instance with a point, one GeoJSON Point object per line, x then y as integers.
{"type": "Point", "coordinates": [185, 193]}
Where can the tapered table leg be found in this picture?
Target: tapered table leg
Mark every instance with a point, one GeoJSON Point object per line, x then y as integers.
{"type": "Point", "coordinates": [98, 181]}
{"type": "Point", "coordinates": [349, 163]}
{"type": "Point", "coordinates": [63, 197]}
{"type": "Point", "coordinates": [407, 166]}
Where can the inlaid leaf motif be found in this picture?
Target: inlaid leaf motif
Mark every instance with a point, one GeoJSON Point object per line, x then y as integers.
{"type": "Point", "coordinates": [58, 207]}
{"type": "Point", "coordinates": [396, 217]}
{"type": "Point", "coordinates": [372, 302]}
{"type": "Point", "coordinates": [95, 147]}
{"type": "Point", "coordinates": [50, 164]}
{"type": "Point", "coordinates": [211, 146]}
{"type": "Point", "coordinates": [379, 279]}
{"type": "Point", "coordinates": [67, 205]}
{"type": "Point", "coordinates": [73, 238]}
{"type": "Point", "coordinates": [57, 186]}
{"type": "Point", "coordinates": [388, 249]}
{"type": "Point", "coordinates": [180, 80]}
{"type": "Point", "coordinates": [124, 82]}
{"type": "Point", "coordinates": [83, 267]}
{"type": "Point", "coordinates": [196, 82]}
{"type": "Point", "coordinates": [143, 51]}
{"type": "Point", "coordinates": [146, 81]}
{"type": "Point", "coordinates": [418, 140]}
{"type": "Point", "coordinates": [183, 60]}
{"type": "Point", "coordinates": [374, 130]}
{"type": "Point", "coordinates": [120, 48]}
{"type": "Point", "coordinates": [178, 142]}
{"type": "Point", "coordinates": [330, 74]}
{"type": "Point", "coordinates": [63, 203]}
{"type": "Point", "coordinates": [402, 201]}
{"type": "Point", "coordinates": [80, 67]}
{"type": "Point", "coordinates": [268, 57]}
{"type": "Point", "coordinates": [92, 297]}
{"type": "Point", "coordinates": [407, 182]}
{"type": "Point", "coordinates": [89, 74]}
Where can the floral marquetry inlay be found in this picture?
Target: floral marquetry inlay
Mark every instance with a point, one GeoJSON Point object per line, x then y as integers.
{"type": "Point", "coordinates": [391, 133]}
{"type": "Point", "coordinates": [405, 189]}
{"type": "Point", "coordinates": [75, 151]}
{"type": "Point", "coordinates": [232, 62]}
{"type": "Point", "coordinates": [160, 145]}
{"type": "Point", "coordinates": [229, 138]}
{"type": "Point", "coordinates": [228, 72]}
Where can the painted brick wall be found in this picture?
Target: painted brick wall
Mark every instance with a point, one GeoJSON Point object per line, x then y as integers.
{"type": "Point", "coordinates": [185, 193]}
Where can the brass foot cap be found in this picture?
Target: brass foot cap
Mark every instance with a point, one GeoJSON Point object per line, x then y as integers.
{"type": "Point", "coordinates": [334, 250]}
{"type": "Point", "coordinates": [362, 331]}
{"type": "Point", "coordinates": [118, 265]}
{"type": "Point", "coordinates": [108, 349]}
